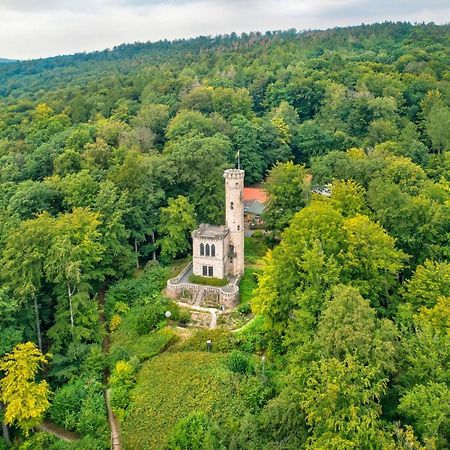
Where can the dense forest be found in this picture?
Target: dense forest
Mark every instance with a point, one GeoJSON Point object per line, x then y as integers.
{"type": "Point", "coordinates": [109, 160]}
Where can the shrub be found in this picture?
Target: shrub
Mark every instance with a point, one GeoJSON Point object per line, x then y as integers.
{"type": "Point", "coordinates": [245, 308]}
{"type": "Point", "coordinates": [79, 406]}
{"type": "Point", "coordinates": [122, 380]}
{"type": "Point", "coordinates": [184, 317]}
{"type": "Point", "coordinates": [136, 291]}
{"type": "Point", "coordinates": [209, 281]}
{"type": "Point", "coordinates": [192, 433]}
{"type": "Point", "coordinates": [253, 337]}
{"type": "Point", "coordinates": [238, 362]}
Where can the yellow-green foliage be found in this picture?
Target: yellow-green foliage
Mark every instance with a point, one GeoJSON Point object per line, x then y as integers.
{"type": "Point", "coordinates": [171, 387]}
{"type": "Point", "coordinates": [115, 322]}
{"type": "Point", "coordinates": [221, 340]}
{"type": "Point", "coordinates": [26, 400]}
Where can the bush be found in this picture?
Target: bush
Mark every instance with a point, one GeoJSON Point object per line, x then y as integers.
{"type": "Point", "coordinates": [253, 337]}
{"type": "Point", "coordinates": [245, 308]}
{"type": "Point", "coordinates": [79, 406]}
{"type": "Point", "coordinates": [192, 433]}
{"type": "Point", "coordinates": [126, 344]}
{"type": "Point", "coordinates": [184, 317]}
{"type": "Point", "coordinates": [209, 281]}
{"type": "Point", "coordinates": [238, 362]}
{"type": "Point", "coordinates": [136, 291]}
{"type": "Point", "coordinates": [122, 380]}
{"type": "Point", "coordinates": [248, 283]}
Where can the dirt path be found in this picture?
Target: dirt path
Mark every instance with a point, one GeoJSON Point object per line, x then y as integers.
{"type": "Point", "coordinates": [57, 431]}
{"type": "Point", "coordinates": [113, 422]}
{"type": "Point", "coordinates": [112, 419]}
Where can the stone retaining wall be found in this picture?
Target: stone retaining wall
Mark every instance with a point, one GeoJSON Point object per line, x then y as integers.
{"type": "Point", "coordinates": [175, 288]}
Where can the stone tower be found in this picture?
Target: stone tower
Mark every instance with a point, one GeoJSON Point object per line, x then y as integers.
{"type": "Point", "coordinates": [234, 214]}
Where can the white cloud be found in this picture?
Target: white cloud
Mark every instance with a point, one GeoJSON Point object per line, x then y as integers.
{"type": "Point", "coordinates": [32, 29]}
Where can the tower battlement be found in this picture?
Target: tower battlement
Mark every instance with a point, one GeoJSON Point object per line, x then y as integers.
{"type": "Point", "coordinates": [234, 173]}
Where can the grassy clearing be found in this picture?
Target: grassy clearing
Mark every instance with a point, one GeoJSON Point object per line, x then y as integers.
{"type": "Point", "coordinates": [171, 387]}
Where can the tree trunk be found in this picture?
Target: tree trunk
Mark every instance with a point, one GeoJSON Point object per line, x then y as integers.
{"type": "Point", "coordinates": [38, 322]}
{"type": "Point", "coordinates": [136, 251]}
{"type": "Point", "coordinates": [5, 430]}
{"type": "Point", "coordinates": [153, 243]}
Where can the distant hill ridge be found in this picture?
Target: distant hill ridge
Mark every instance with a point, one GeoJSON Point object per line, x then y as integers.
{"type": "Point", "coordinates": [31, 78]}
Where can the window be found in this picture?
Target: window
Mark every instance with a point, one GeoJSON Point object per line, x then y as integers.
{"type": "Point", "coordinates": [202, 249]}
{"type": "Point", "coordinates": [213, 250]}
{"type": "Point", "coordinates": [205, 271]}
{"type": "Point", "coordinates": [239, 227]}
{"type": "Point", "coordinates": [207, 250]}
{"type": "Point", "coordinates": [231, 205]}
{"type": "Point", "coordinates": [210, 271]}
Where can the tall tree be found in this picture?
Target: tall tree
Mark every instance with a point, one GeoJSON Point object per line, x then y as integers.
{"type": "Point", "coordinates": [26, 400]}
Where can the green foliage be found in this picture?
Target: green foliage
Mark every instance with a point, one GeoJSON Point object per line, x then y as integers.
{"type": "Point", "coordinates": [177, 222]}
{"type": "Point", "coordinates": [26, 400]}
{"type": "Point", "coordinates": [288, 190]}
{"type": "Point", "coordinates": [171, 387]}
{"type": "Point", "coordinates": [192, 433]}
{"type": "Point", "coordinates": [247, 285]}
{"type": "Point", "coordinates": [136, 291]}
{"type": "Point", "coordinates": [132, 340]}
{"type": "Point", "coordinates": [211, 281]}
{"type": "Point", "coordinates": [255, 248]}
{"type": "Point", "coordinates": [428, 407]}
{"type": "Point", "coordinates": [238, 362]}
{"type": "Point", "coordinates": [221, 341]}
{"type": "Point", "coordinates": [122, 379]}
{"type": "Point", "coordinates": [97, 153]}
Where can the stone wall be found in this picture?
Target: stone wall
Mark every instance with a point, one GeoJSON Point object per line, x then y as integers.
{"type": "Point", "coordinates": [228, 295]}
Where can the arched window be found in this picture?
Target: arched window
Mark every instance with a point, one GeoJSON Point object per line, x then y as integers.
{"type": "Point", "coordinates": [202, 249]}
{"type": "Point", "coordinates": [231, 205]}
{"type": "Point", "coordinates": [207, 250]}
{"type": "Point", "coordinates": [213, 250]}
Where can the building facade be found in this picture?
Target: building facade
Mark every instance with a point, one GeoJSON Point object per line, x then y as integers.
{"type": "Point", "coordinates": [218, 251]}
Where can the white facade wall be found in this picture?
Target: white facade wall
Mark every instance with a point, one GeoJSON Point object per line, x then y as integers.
{"type": "Point", "coordinates": [218, 262]}
{"type": "Point", "coordinates": [234, 212]}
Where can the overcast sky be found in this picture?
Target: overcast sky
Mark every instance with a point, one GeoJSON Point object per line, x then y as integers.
{"type": "Point", "coordinates": [38, 28]}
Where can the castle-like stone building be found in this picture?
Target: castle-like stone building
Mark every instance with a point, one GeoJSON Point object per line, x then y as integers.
{"type": "Point", "coordinates": [218, 251]}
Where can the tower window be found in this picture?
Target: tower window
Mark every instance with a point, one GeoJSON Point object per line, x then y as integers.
{"type": "Point", "coordinates": [231, 205]}
{"type": "Point", "coordinates": [210, 271]}
{"type": "Point", "coordinates": [239, 227]}
{"type": "Point", "coordinates": [202, 249]}
{"type": "Point", "coordinates": [207, 250]}
{"type": "Point", "coordinates": [205, 271]}
{"type": "Point", "coordinates": [213, 250]}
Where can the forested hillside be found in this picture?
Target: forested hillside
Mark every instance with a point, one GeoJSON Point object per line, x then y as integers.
{"type": "Point", "coordinates": [109, 160]}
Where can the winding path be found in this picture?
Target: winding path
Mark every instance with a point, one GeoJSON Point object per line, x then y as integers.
{"type": "Point", "coordinates": [112, 419]}
{"type": "Point", "coordinates": [212, 311]}
{"type": "Point", "coordinates": [57, 431]}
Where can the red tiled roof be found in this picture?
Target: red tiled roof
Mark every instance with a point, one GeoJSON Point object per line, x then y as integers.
{"type": "Point", "coordinates": [255, 193]}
